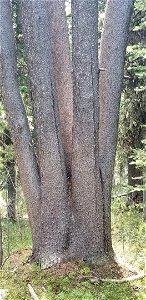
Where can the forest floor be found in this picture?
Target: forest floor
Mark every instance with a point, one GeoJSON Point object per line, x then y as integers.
{"type": "Point", "coordinates": [73, 281]}
{"type": "Point", "coordinates": [69, 281]}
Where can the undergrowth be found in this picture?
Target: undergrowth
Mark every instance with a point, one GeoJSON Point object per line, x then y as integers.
{"type": "Point", "coordinates": [68, 287]}
{"type": "Point", "coordinates": [128, 232]}
{"type": "Point", "coordinates": [128, 240]}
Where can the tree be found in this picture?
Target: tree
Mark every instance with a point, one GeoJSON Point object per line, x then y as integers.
{"type": "Point", "coordinates": [11, 208]}
{"type": "Point", "coordinates": [111, 59]}
{"type": "Point", "coordinates": [8, 163]}
{"type": "Point", "coordinates": [132, 115]}
{"type": "Point", "coordinates": [67, 188]}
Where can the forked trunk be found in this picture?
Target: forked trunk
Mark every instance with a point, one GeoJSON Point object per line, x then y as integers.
{"type": "Point", "coordinates": [44, 181]}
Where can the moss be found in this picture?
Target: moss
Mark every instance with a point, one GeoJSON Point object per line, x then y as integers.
{"type": "Point", "coordinates": [67, 287]}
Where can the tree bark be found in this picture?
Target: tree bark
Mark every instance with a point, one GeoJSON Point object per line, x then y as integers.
{"type": "Point", "coordinates": [62, 71]}
{"type": "Point", "coordinates": [17, 119]}
{"type": "Point", "coordinates": [54, 198]}
{"type": "Point", "coordinates": [45, 183]}
{"type": "Point", "coordinates": [87, 235]}
{"type": "Point", "coordinates": [112, 52]}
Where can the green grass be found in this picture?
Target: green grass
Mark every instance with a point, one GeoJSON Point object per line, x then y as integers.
{"type": "Point", "coordinates": [16, 236]}
{"type": "Point", "coordinates": [49, 287]}
{"type": "Point", "coordinates": [16, 275]}
{"type": "Point", "coordinates": [128, 233]}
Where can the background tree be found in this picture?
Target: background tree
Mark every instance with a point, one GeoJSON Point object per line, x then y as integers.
{"type": "Point", "coordinates": [1, 249]}
{"type": "Point", "coordinates": [132, 113]}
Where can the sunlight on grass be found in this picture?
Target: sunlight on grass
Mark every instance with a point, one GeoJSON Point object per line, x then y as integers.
{"type": "Point", "coordinates": [18, 273]}
{"type": "Point", "coordinates": [16, 236]}
{"type": "Point", "coordinates": [51, 287]}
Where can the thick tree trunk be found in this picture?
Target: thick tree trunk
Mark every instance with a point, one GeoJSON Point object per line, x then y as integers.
{"type": "Point", "coordinates": [62, 71]}
{"type": "Point", "coordinates": [88, 235]}
{"type": "Point", "coordinates": [11, 208]}
{"type": "Point", "coordinates": [54, 199]}
{"type": "Point", "coordinates": [112, 52]}
{"type": "Point", "coordinates": [17, 119]}
{"type": "Point", "coordinates": [46, 190]}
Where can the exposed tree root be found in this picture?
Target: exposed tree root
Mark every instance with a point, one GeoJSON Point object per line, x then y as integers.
{"type": "Point", "coordinates": [97, 279]}
{"type": "Point", "coordinates": [32, 292]}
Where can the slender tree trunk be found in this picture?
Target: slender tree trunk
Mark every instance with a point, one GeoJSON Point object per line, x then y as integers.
{"type": "Point", "coordinates": [144, 174]}
{"type": "Point", "coordinates": [62, 71]}
{"type": "Point", "coordinates": [87, 236]}
{"type": "Point", "coordinates": [144, 168]}
{"type": "Point", "coordinates": [1, 244]}
{"type": "Point", "coordinates": [133, 171]}
{"type": "Point", "coordinates": [11, 208]}
{"type": "Point", "coordinates": [54, 198]}
{"type": "Point", "coordinates": [112, 52]}
{"type": "Point", "coordinates": [17, 119]}
{"type": "Point", "coordinates": [10, 167]}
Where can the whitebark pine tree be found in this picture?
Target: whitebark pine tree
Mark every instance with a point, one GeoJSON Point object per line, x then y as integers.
{"type": "Point", "coordinates": [68, 185]}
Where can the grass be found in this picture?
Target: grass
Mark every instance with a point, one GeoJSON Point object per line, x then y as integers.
{"type": "Point", "coordinates": [128, 232]}
{"type": "Point", "coordinates": [66, 287]}
{"type": "Point", "coordinates": [63, 283]}
{"type": "Point", "coordinates": [16, 236]}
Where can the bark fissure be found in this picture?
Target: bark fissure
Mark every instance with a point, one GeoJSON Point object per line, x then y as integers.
{"type": "Point", "coordinates": [62, 74]}
{"type": "Point", "coordinates": [96, 147]}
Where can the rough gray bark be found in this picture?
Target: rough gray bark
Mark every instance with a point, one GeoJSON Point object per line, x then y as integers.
{"type": "Point", "coordinates": [62, 71]}
{"type": "Point", "coordinates": [46, 190]}
{"type": "Point", "coordinates": [87, 235]}
{"type": "Point", "coordinates": [54, 199]}
{"type": "Point", "coordinates": [17, 119]}
{"type": "Point", "coordinates": [112, 52]}
{"type": "Point", "coordinates": [11, 187]}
